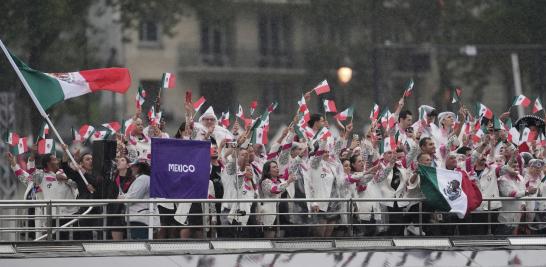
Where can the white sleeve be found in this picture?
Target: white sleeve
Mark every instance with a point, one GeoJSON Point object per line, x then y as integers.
{"type": "Point", "coordinates": [138, 188]}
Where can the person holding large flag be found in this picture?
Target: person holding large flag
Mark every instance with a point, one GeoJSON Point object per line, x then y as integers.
{"type": "Point", "coordinates": [95, 188]}
{"type": "Point", "coordinates": [450, 190]}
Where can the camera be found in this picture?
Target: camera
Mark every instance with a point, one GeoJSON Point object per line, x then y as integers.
{"type": "Point", "coordinates": [231, 145]}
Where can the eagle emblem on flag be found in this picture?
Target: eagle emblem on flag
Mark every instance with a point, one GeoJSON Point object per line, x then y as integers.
{"type": "Point", "coordinates": [453, 190]}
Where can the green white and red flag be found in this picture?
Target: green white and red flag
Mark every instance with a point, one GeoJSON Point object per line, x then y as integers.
{"type": "Point", "coordinates": [127, 127]}
{"type": "Point", "coordinates": [113, 126]}
{"type": "Point", "coordinates": [240, 113]}
{"type": "Point", "coordinates": [344, 115]}
{"type": "Point", "coordinates": [521, 100]}
{"type": "Point", "coordinates": [154, 117]}
{"type": "Point", "coordinates": [322, 88]}
{"type": "Point", "coordinates": [322, 134]}
{"type": "Point", "coordinates": [260, 130]}
{"type": "Point", "coordinates": [272, 107]}
{"type": "Point", "coordinates": [140, 97]}
{"type": "Point", "coordinates": [253, 106]}
{"type": "Point", "coordinates": [22, 146]}
{"type": "Point", "coordinates": [537, 106]}
{"type": "Point", "coordinates": [44, 130]}
{"type": "Point", "coordinates": [11, 138]}
{"type": "Point", "coordinates": [76, 136]}
{"type": "Point", "coordinates": [46, 146]}
{"type": "Point", "coordinates": [388, 144]}
{"type": "Point", "coordinates": [52, 88]}
{"type": "Point", "coordinates": [329, 106]}
{"type": "Point", "coordinates": [99, 135]}
{"type": "Point", "coordinates": [409, 88]}
{"type": "Point", "coordinates": [303, 109]}
{"type": "Point", "coordinates": [168, 80]}
{"type": "Point", "coordinates": [456, 95]}
{"type": "Point", "coordinates": [199, 103]}
{"type": "Point", "coordinates": [447, 190]}
{"type": "Point", "coordinates": [375, 112]}
{"type": "Point", "coordinates": [86, 131]}
{"type": "Point", "coordinates": [484, 111]}
{"type": "Point", "coordinates": [224, 119]}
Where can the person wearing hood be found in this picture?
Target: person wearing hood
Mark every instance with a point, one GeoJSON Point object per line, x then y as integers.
{"type": "Point", "coordinates": [208, 127]}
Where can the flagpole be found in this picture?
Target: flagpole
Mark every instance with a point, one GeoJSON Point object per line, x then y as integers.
{"type": "Point", "coordinates": [39, 106]}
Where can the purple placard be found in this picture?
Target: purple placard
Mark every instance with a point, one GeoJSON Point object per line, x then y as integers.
{"type": "Point", "coordinates": [180, 169]}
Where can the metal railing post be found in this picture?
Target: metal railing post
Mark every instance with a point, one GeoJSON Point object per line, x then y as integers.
{"type": "Point", "coordinates": [49, 220]}
{"type": "Point", "coordinates": [350, 215]}
{"type": "Point", "coordinates": [57, 231]}
{"type": "Point", "coordinates": [127, 229]}
{"type": "Point", "coordinates": [420, 217]}
{"type": "Point", "coordinates": [278, 220]}
{"type": "Point", "coordinates": [489, 230]}
{"type": "Point", "coordinates": [105, 229]}
{"type": "Point", "coordinates": [204, 210]}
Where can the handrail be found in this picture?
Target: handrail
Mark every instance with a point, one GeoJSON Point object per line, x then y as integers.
{"type": "Point", "coordinates": [163, 200]}
{"type": "Point", "coordinates": [66, 224]}
{"type": "Point", "coordinates": [351, 217]}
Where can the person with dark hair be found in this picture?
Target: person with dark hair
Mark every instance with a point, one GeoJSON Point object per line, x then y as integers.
{"type": "Point", "coordinates": [481, 166]}
{"type": "Point", "coordinates": [362, 177]}
{"type": "Point", "coordinates": [426, 144]}
{"type": "Point", "coordinates": [52, 182]}
{"type": "Point", "coordinates": [139, 189]}
{"type": "Point", "coordinates": [316, 122]}
{"type": "Point", "coordinates": [405, 120]}
{"type": "Point", "coordinates": [95, 189]}
{"type": "Point", "coordinates": [123, 178]}
{"type": "Point", "coordinates": [271, 187]}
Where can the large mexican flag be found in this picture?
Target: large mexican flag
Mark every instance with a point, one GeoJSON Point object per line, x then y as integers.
{"type": "Point", "coordinates": [52, 88]}
{"type": "Point", "coordinates": [447, 190]}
